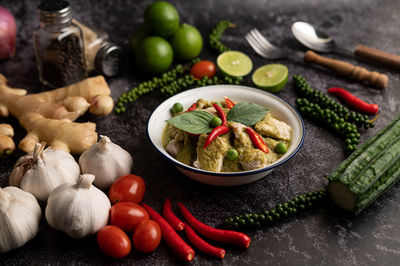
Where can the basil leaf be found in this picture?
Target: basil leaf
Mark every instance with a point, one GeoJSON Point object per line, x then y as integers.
{"type": "Point", "coordinates": [247, 113]}
{"type": "Point", "coordinates": [195, 122]}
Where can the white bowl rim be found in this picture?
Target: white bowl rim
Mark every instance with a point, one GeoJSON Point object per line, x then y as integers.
{"type": "Point", "coordinates": [230, 174]}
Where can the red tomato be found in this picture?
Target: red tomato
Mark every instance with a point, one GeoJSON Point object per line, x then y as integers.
{"type": "Point", "coordinates": [127, 188]}
{"type": "Point", "coordinates": [203, 68]}
{"type": "Point", "coordinates": [147, 236]}
{"type": "Point", "coordinates": [113, 241]}
{"type": "Point", "coordinates": [127, 215]}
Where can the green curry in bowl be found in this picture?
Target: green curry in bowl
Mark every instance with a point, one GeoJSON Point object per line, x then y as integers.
{"type": "Point", "coordinates": [247, 138]}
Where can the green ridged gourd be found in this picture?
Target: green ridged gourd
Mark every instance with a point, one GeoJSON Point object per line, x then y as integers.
{"type": "Point", "coordinates": [368, 172]}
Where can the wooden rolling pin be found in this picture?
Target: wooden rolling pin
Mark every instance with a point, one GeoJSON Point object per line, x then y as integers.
{"type": "Point", "coordinates": [346, 69]}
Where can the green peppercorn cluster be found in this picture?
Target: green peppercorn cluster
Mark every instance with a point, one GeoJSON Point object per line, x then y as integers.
{"type": "Point", "coordinates": [170, 83]}
{"type": "Point", "coordinates": [331, 120]}
{"type": "Point", "coordinates": [167, 78]}
{"type": "Point", "coordinates": [320, 98]}
{"type": "Point", "coordinates": [216, 33]}
{"type": "Point", "coordinates": [189, 81]}
{"type": "Point", "coordinates": [280, 212]}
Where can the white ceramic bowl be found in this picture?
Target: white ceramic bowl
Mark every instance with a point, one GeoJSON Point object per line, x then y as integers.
{"type": "Point", "coordinates": [278, 108]}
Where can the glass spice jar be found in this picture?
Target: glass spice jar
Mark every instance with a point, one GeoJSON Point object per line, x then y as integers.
{"type": "Point", "coordinates": [102, 56]}
{"type": "Point", "coordinates": [58, 45]}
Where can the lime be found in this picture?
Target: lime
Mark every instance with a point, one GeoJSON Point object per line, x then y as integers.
{"type": "Point", "coordinates": [234, 63]}
{"type": "Point", "coordinates": [271, 77]}
{"type": "Point", "coordinates": [186, 42]}
{"type": "Point", "coordinates": [162, 18]}
{"type": "Point", "coordinates": [153, 55]}
{"type": "Point", "coordinates": [137, 36]}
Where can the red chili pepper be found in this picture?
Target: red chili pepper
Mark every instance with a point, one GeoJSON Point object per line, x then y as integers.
{"type": "Point", "coordinates": [220, 235]}
{"type": "Point", "coordinates": [354, 102]}
{"type": "Point", "coordinates": [229, 103]}
{"type": "Point", "coordinates": [220, 113]}
{"type": "Point", "coordinates": [173, 240]}
{"type": "Point", "coordinates": [219, 130]}
{"type": "Point", "coordinates": [202, 245]}
{"type": "Point", "coordinates": [174, 221]}
{"type": "Point", "coordinates": [193, 135]}
{"type": "Point", "coordinates": [192, 107]}
{"type": "Point", "coordinates": [257, 140]}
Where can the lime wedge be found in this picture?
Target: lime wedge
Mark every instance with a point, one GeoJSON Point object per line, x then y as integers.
{"type": "Point", "coordinates": [234, 63]}
{"type": "Point", "coordinates": [271, 77]}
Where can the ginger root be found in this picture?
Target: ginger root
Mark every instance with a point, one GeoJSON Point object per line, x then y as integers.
{"type": "Point", "coordinates": [7, 145]}
{"type": "Point", "coordinates": [49, 116]}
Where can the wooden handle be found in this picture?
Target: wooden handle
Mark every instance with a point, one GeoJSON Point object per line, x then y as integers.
{"type": "Point", "coordinates": [346, 69]}
{"type": "Point", "coordinates": [378, 56]}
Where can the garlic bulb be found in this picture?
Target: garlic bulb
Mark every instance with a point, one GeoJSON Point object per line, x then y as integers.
{"type": "Point", "coordinates": [41, 171]}
{"type": "Point", "coordinates": [106, 161]}
{"type": "Point", "coordinates": [78, 209]}
{"type": "Point", "coordinates": [20, 215]}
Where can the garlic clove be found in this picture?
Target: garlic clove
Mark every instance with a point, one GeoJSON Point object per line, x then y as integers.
{"type": "Point", "coordinates": [107, 161]}
{"type": "Point", "coordinates": [78, 209]}
{"type": "Point", "coordinates": [23, 164]}
{"type": "Point", "coordinates": [41, 171]}
{"type": "Point", "coordinates": [40, 180]}
{"type": "Point", "coordinates": [20, 215]}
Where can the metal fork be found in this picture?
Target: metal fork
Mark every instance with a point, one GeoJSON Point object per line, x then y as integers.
{"type": "Point", "coordinates": [267, 50]}
{"type": "Point", "coordinates": [263, 47]}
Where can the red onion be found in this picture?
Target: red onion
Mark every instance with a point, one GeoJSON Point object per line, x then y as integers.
{"type": "Point", "coordinates": [8, 32]}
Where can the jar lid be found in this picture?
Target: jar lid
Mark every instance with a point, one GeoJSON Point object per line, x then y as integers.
{"type": "Point", "coordinates": [54, 11]}
{"type": "Point", "coordinates": [108, 60]}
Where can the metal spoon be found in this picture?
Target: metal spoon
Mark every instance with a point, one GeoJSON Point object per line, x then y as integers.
{"type": "Point", "coordinates": [316, 40]}
{"type": "Point", "coordinates": [267, 50]}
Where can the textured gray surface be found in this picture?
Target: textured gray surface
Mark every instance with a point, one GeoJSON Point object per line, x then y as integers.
{"type": "Point", "coordinates": [325, 237]}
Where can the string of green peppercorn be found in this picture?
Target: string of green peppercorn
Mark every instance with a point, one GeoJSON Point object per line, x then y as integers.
{"type": "Point", "coordinates": [170, 83]}
{"type": "Point", "coordinates": [216, 33]}
{"type": "Point", "coordinates": [279, 212]}
{"type": "Point", "coordinates": [189, 81]}
{"type": "Point", "coordinates": [322, 99]}
{"type": "Point", "coordinates": [331, 120]}
{"type": "Point", "coordinates": [155, 83]}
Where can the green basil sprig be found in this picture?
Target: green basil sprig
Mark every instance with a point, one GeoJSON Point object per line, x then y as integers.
{"type": "Point", "coordinates": [247, 113]}
{"type": "Point", "coordinates": [195, 122]}
{"type": "Point", "coordinates": [199, 122]}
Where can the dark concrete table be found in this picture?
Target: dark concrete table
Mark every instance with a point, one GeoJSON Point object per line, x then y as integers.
{"type": "Point", "coordinates": [323, 237]}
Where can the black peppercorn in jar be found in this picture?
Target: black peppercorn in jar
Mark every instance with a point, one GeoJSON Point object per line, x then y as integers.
{"type": "Point", "coordinates": [59, 46]}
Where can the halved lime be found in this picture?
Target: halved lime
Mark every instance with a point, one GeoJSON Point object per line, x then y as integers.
{"type": "Point", "coordinates": [271, 77]}
{"type": "Point", "coordinates": [234, 63]}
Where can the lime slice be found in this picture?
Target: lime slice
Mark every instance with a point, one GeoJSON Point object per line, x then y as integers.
{"type": "Point", "coordinates": [271, 77]}
{"type": "Point", "coordinates": [234, 63]}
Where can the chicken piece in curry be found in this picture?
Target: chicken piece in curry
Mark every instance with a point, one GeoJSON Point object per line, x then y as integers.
{"type": "Point", "coordinates": [189, 148]}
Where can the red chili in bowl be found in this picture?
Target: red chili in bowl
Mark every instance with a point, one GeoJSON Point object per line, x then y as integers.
{"type": "Point", "coordinates": [257, 140]}
{"type": "Point", "coordinates": [220, 113]}
{"type": "Point", "coordinates": [217, 131]}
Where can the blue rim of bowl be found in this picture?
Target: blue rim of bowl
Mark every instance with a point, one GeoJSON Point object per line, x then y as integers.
{"type": "Point", "coordinates": [230, 174]}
